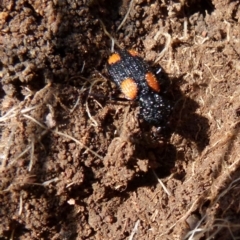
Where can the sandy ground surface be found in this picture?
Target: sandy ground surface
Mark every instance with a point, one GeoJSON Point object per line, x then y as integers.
{"type": "Point", "coordinates": [75, 164]}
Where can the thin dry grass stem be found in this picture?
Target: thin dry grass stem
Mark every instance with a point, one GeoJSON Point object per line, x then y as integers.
{"type": "Point", "coordinates": [112, 45]}
{"type": "Point", "coordinates": [209, 90]}
{"type": "Point", "coordinates": [28, 109]}
{"type": "Point", "coordinates": [20, 155]}
{"type": "Point", "coordinates": [20, 204]}
{"type": "Point", "coordinates": [75, 105]}
{"type": "Point", "coordinates": [214, 233]}
{"type": "Point", "coordinates": [46, 183]}
{"type": "Point", "coordinates": [185, 28]}
{"type": "Point", "coordinates": [184, 217]}
{"type": "Point", "coordinates": [196, 230]}
{"type": "Point", "coordinates": [6, 116]}
{"type": "Point", "coordinates": [134, 231]}
{"type": "Point", "coordinates": [12, 234]}
{"type": "Point", "coordinates": [217, 227]}
{"type": "Point", "coordinates": [83, 66]}
{"type": "Point", "coordinates": [78, 142]}
{"type": "Point", "coordinates": [193, 73]}
{"type": "Point", "coordinates": [161, 183]}
{"type": "Point", "coordinates": [216, 79]}
{"type": "Point", "coordinates": [27, 148]}
{"type": "Point", "coordinates": [203, 40]}
{"type": "Point", "coordinates": [30, 94]}
{"type": "Point", "coordinates": [226, 222]}
{"type": "Point", "coordinates": [154, 216]}
{"type": "Point", "coordinates": [31, 156]}
{"type": "Point", "coordinates": [70, 184]}
{"type": "Point", "coordinates": [228, 30]}
{"type": "Point", "coordinates": [126, 16]}
{"type": "Point", "coordinates": [155, 195]}
{"type": "Point", "coordinates": [42, 134]}
{"type": "Point", "coordinates": [222, 141]}
{"type": "Point", "coordinates": [7, 148]}
{"type": "Point", "coordinates": [16, 111]}
{"type": "Point", "coordinates": [76, 77]}
{"type": "Point", "coordinates": [168, 42]}
{"type": "Point", "coordinates": [219, 124]}
{"type": "Point", "coordinates": [209, 114]}
{"type": "Point", "coordinates": [231, 185]}
{"type": "Point", "coordinates": [84, 88]}
{"type": "Point", "coordinates": [124, 226]}
{"type": "Point", "coordinates": [95, 124]}
{"type": "Point", "coordinates": [98, 103]}
{"type": "Point", "coordinates": [65, 135]}
{"type": "Point", "coordinates": [109, 35]}
{"type": "Point", "coordinates": [96, 80]}
{"type": "Point", "coordinates": [43, 90]}
{"type": "Point", "coordinates": [192, 234]}
{"type": "Point", "coordinates": [35, 121]}
{"type": "Point", "coordinates": [61, 104]}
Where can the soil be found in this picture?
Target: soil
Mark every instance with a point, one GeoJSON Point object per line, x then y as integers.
{"type": "Point", "coordinates": [76, 163]}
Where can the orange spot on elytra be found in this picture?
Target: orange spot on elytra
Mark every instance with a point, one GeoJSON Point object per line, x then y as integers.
{"type": "Point", "coordinates": [129, 88]}
{"type": "Point", "coordinates": [152, 81]}
{"type": "Point", "coordinates": [133, 52]}
{"type": "Point", "coordinates": [115, 57]}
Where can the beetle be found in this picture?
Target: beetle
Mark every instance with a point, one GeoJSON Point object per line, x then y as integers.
{"type": "Point", "coordinates": [135, 79]}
